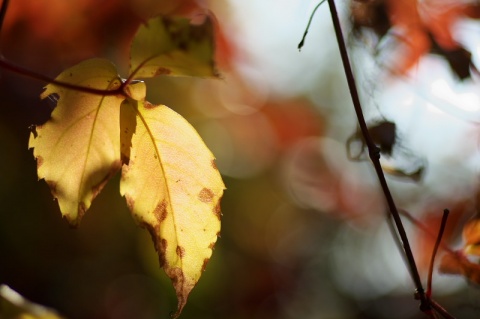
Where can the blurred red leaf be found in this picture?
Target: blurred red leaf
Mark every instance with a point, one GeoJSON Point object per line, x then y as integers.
{"type": "Point", "coordinates": [64, 32]}
{"type": "Point", "coordinates": [431, 220]}
{"type": "Point", "coordinates": [418, 25]}
{"type": "Point", "coordinates": [458, 264]}
{"type": "Point", "coordinates": [292, 120]}
{"type": "Point", "coordinates": [471, 232]}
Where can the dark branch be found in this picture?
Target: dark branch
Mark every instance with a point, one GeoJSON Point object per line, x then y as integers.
{"type": "Point", "coordinates": [374, 153]}
{"type": "Point", "coordinates": [9, 66]}
{"type": "Point", "coordinates": [301, 44]}
{"type": "Point", "coordinates": [442, 311]}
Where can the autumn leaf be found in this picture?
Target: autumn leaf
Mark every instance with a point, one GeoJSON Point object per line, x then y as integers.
{"type": "Point", "coordinates": [78, 149]}
{"type": "Point", "coordinates": [471, 237]}
{"type": "Point", "coordinates": [421, 27]}
{"type": "Point", "coordinates": [15, 306]}
{"type": "Point", "coordinates": [458, 264]}
{"type": "Point", "coordinates": [169, 177]}
{"type": "Point", "coordinates": [173, 188]}
{"type": "Point", "coordinates": [173, 46]}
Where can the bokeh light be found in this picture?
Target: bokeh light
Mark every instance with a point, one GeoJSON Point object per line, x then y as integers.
{"type": "Point", "coordinates": [304, 230]}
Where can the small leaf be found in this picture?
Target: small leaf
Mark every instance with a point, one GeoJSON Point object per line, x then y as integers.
{"type": "Point", "coordinates": [173, 46]}
{"type": "Point", "coordinates": [78, 149]}
{"type": "Point", "coordinates": [173, 189]}
{"type": "Point", "coordinates": [14, 306]}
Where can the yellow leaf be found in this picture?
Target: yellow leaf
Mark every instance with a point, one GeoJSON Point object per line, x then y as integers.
{"type": "Point", "coordinates": [471, 237]}
{"type": "Point", "coordinates": [173, 188]}
{"type": "Point", "coordinates": [173, 46]}
{"type": "Point", "coordinates": [78, 149]}
{"type": "Point", "coordinates": [14, 306]}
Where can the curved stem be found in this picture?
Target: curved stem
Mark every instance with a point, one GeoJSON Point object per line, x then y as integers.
{"type": "Point", "coordinates": [7, 65]}
{"type": "Point", "coordinates": [424, 229]}
{"type": "Point", "coordinates": [435, 249]}
{"type": "Point", "coordinates": [302, 42]}
{"type": "Point", "coordinates": [374, 153]}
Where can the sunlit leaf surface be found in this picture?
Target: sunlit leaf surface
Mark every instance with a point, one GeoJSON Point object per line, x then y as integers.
{"type": "Point", "coordinates": [173, 188]}
{"type": "Point", "coordinates": [173, 46]}
{"type": "Point", "coordinates": [78, 149]}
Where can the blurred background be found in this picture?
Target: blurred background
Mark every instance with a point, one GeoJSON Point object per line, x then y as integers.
{"type": "Point", "coordinates": [304, 232]}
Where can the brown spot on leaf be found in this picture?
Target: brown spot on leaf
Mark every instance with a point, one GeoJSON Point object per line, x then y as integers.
{"type": "Point", "coordinates": [205, 262]}
{"type": "Point", "coordinates": [160, 211]}
{"type": "Point", "coordinates": [214, 165]}
{"type": "Point", "coordinates": [148, 105]}
{"type": "Point", "coordinates": [206, 195]}
{"type": "Point", "coordinates": [212, 245]}
{"type": "Point", "coordinates": [180, 251]}
{"type": "Point", "coordinates": [162, 251]}
{"type": "Point", "coordinates": [183, 286]}
{"type": "Point", "coordinates": [160, 244]}
{"type": "Point", "coordinates": [218, 211]}
{"type": "Point", "coordinates": [130, 202]}
{"type": "Point", "coordinates": [164, 244]}
{"type": "Point", "coordinates": [162, 71]}
{"type": "Point", "coordinates": [82, 209]}
{"type": "Point", "coordinates": [39, 161]}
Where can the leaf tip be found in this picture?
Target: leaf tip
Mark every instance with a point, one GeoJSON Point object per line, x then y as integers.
{"type": "Point", "coordinates": [183, 286]}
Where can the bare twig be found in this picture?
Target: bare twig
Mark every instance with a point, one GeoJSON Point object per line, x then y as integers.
{"type": "Point", "coordinates": [435, 249]}
{"type": "Point", "coordinates": [442, 311]}
{"type": "Point", "coordinates": [374, 153]}
{"type": "Point", "coordinates": [9, 66]}
{"type": "Point", "coordinates": [302, 42]}
{"type": "Point", "coordinates": [421, 226]}
{"type": "Point", "coordinates": [426, 304]}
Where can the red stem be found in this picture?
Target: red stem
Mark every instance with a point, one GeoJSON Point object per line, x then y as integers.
{"type": "Point", "coordinates": [435, 249]}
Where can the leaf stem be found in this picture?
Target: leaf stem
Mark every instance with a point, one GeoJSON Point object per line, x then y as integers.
{"type": "Point", "coordinates": [374, 153]}
{"type": "Point", "coordinates": [302, 42]}
{"type": "Point", "coordinates": [424, 229]}
{"type": "Point", "coordinates": [442, 311]}
{"type": "Point", "coordinates": [12, 67]}
{"type": "Point", "coordinates": [9, 66]}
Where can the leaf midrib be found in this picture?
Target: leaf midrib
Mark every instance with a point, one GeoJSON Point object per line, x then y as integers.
{"type": "Point", "coordinates": [160, 162]}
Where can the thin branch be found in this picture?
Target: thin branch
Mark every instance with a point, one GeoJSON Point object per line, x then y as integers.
{"type": "Point", "coordinates": [442, 311]}
{"type": "Point", "coordinates": [435, 249]}
{"type": "Point", "coordinates": [374, 153]}
{"type": "Point", "coordinates": [9, 66]}
{"type": "Point", "coordinates": [302, 42]}
{"type": "Point", "coordinates": [424, 229]}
